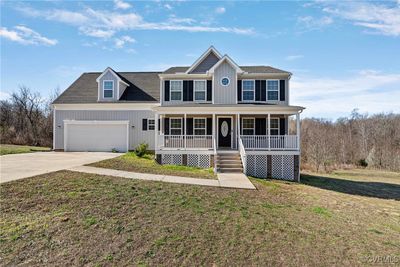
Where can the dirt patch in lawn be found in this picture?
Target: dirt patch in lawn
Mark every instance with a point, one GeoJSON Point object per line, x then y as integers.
{"type": "Point", "coordinates": [68, 218]}
{"type": "Point", "coordinates": [147, 164]}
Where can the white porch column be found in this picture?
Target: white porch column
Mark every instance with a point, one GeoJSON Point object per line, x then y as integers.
{"type": "Point", "coordinates": [156, 131]}
{"type": "Point", "coordinates": [237, 130]}
{"type": "Point", "coordinates": [213, 131]}
{"type": "Point", "coordinates": [269, 131]}
{"type": "Point", "coordinates": [184, 128]}
{"type": "Point", "coordinates": [298, 130]}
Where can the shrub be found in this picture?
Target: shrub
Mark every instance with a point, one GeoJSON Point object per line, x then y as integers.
{"type": "Point", "coordinates": [363, 163]}
{"type": "Point", "coordinates": [141, 149]}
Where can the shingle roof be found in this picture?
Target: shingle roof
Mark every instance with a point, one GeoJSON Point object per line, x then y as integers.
{"type": "Point", "coordinates": [143, 87]}
{"type": "Point", "coordinates": [249, 69]}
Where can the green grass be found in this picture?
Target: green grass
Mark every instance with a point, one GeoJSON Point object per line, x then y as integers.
{"type": "Point", "coordinates": [15, 149]}
{"type": "Point", "coordinates": [70, 218]}
{"type": "Point", "coordinates": [130, 162]}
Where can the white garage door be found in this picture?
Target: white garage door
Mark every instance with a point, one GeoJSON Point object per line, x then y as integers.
{"type": "Point", "coordinates": [96, 135]}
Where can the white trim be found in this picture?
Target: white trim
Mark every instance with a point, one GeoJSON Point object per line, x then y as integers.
{"type": "Point", "coordinates": [114, 73]}
{"type": "Point", "coordinates": [194, 90]}
{"type": "Point", "coordinates": [266, 90]}
{"type": "Point", "coordinates": [169, 125]}
{"type": "Point", "coordinates": [184, 152]}
{"type": "Point", "coordinates": [254, 90]}
{"type": "Point", "coordinates": [272, 152]}
{"type": "Point", "coordinates": [203, 56]}
{"type": "Point", "coordinates": [93, 122]}
{"type": "Point", "coordinates": [113, 89]}
{"type": "Point", "coordinates": [229, 81]}
{"type": "Point", "coordinates": [229, 60]}
{"type": "Point", "coordinates": [106, 106]}
{"type": "Point", "coordinates": [217, 133]}
{"type": "Point", "coordinates": [254, 125]}
{"type": "Point", "coordinates": [205, 125]}
{"type": "Point", "coordinates": [170, 91]}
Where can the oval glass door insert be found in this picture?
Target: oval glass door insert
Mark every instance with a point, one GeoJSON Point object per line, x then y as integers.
{"type": "Point", "coordinates": [224, 128]}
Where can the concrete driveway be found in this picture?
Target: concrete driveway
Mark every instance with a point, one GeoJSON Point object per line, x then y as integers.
{"type": "Point", "coordinates": [18, 166]}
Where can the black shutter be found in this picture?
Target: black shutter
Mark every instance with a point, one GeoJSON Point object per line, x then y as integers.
{"type": "Point", "coordinates": [261, 124]}
{"type": "Point", "coordinates": [159, 124]}
{"type": "Point", "coordinates": [209, 90]}
{"type": "Point", "coordinates": [183, 126]}
{"type": "Point", "coordinates": [190, 97]}
{"type": "Point", "coordinates": [209, 126]}
{"type": "Point", "coordinates": [258, 90]}
{"type": "Point", "coordinates": [166, 126]}
{"type": "Point", "coordinates": [189, 126]}
{"type": "Point", "coordinates": [144, 125]}
{"type": "Point", "coordinates": [263, 90]}
{"type": "Point", "coordinates": [166, 90]}
{"type": "Point", "coordinates": [239, 90]}
{"type": "Point", "coordinates": [282, 90]}
{"type": "Point", "coordinates": [185, 90]}
{"type": "Point", "coordinates": [282, 126]}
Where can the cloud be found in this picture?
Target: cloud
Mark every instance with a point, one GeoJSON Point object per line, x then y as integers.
{"type": "Point", "coordinates": [168, 6]}
{"type": "Point", "coordinates": [4, 95]}
{"type": "Point", "coordinates": [309, 23]}
{"type": "Point", "coordinates": [120, 42]}
{"type": "Point", "coordinates": [26, 36]}
{"type": "Point", "coordinates": [105, 24]}
{"type": "Point", "coordinates": [377, 18]}
{"type": "Point", "coordinates": [368, 90]}
{"type": "Point", "coordinates": [220, 10]}
{"type": "Point", "coordinates": [293, 57]}
{"type": "Point", "coordinates": [119, 4]}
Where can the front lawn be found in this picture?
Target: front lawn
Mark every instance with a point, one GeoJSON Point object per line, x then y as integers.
{"type": "Point", "coordinates": [69, 218]}
{"type": "Point", "coordinates": [16, 149]}
{"type": "Point", "coordinates": [147, 164]}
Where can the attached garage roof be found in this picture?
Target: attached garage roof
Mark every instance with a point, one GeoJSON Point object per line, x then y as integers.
{"type": "Point", "coordinates": [143, 87]}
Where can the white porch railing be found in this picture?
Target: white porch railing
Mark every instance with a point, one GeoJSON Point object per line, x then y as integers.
{"type": "Point", "coordinates": [270, 142]}
{"type": "Point", "coordinates": [185, 141]}
{"type": "Point", "coordinates": [242, 152]}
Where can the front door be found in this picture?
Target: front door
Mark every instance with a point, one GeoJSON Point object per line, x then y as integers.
{"type": "Point", "coordinates": [224, 132]}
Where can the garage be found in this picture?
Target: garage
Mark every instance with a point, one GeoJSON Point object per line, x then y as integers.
{"type": "Point", "coordinates": [96, 135]}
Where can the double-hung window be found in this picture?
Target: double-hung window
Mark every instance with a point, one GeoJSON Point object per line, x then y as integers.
{"type": "Point", "coordinates": [150, 124]}
{"type": "Point", "coordinates": [273, 89]}
{"type": "Point", "coordinates": [176, 90]}
{"type": "Point", "coordinates": [108, 89]}
{"type": "Point", "coordinates": [274, 123]}
{"type": "Point", "coordinates": [200, 90]}
{"type": "Point", "coordinates": [199, 126]}
{"type": "Point", "coordinates": [248, 90]}
{"type": "Point", "coordinates": [248, 126]}
{"type": "Point", "coordinates": [175, 126]}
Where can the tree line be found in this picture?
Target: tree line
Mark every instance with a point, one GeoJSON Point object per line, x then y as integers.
{"type": "Point", "coordinates": [362, 140]}
{"type": "Point", "coordinates": [368, 141]}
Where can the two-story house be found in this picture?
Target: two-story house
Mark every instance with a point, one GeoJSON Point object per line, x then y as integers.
{"type": "Point", "coordinates": [213, 113]}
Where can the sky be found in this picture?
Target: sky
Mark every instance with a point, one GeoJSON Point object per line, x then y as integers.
{"type": "Point", "coordinates": [343, 55]}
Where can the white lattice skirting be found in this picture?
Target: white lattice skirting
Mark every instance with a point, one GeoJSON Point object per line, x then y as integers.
{"type": "Point", "coordinates": [171, 159]}
{"type": "Point", "coordinates": [201, 161]}
{"type": "Point", "coordinates": [282, 166]}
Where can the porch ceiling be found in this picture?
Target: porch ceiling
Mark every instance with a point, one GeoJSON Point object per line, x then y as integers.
{"type": "Point", "coordinates": [194, 108]}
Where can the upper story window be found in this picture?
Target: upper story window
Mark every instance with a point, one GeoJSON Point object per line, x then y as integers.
{"type": "Point", "coordinates": [248, 126]}
{"type": "Point", "coordinates": [108, 89]}
{"type": "Point", "coordinates": [225, 81]}
{"type": "Point", "coordinates": [273, 89]}
{"type": "Point", "coordinates": [175, 126]}
{"type": "Point", "coordinates": [248, 90]}
{"type": "Point", "coordinates": [176, 88]}
{"type": "Point", "coordinates": [199, 126]}
{"type": "Point", "coordinates": [200, 90]}
{"type": "Point", "coordinates": [274, 126]}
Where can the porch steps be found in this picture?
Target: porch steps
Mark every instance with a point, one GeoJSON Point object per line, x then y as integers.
{"type": "Point", "coordinates": [229, 162]}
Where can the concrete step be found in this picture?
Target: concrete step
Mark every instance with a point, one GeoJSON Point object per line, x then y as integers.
{"type": "Point", "coordinates": [230, 170]}
{"type": "Point", "coordinates": [229, 157]}
{"type": "Point", "coordinates": [228, 160]}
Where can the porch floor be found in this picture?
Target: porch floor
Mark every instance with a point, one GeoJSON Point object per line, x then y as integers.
{"type": "Point", "coordinates": [227, 180]}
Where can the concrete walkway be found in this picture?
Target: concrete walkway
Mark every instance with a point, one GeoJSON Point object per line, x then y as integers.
{"type": "Point", "coordinates": [227, 180]}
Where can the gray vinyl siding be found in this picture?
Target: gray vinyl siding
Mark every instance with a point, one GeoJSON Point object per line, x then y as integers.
{"type": "Point", "coordinates": [206, 64]}
{"type": "Point", "coordinates": [225, 94]}
{"type": "Point", "coordinates": [136, 135]}
{"type": "Point", "coordinates": [108, 76]}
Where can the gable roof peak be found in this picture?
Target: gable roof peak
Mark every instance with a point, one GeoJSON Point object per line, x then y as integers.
{"type": "Point", "coordinates": [114, 73]}
{"type": "Point", "coordinates": [230, 62]}
{"type": "Point", "coordinates": [210, 50]}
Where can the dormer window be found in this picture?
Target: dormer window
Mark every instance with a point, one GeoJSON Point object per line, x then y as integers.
{"type": "Point", "coordinates": [248, 90]}
{"type": "Point", "coordinates": [108, 89]}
